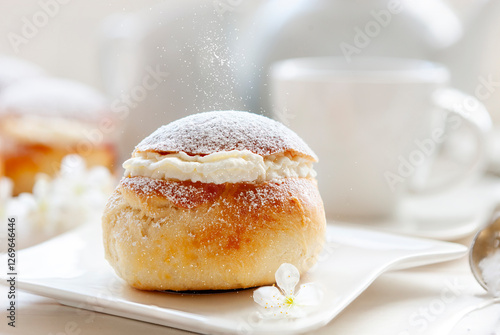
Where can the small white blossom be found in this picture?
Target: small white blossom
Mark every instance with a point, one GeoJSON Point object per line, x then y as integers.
{"type": "Point", "coordinates": [39, 210]}
{"type": "Point", "coordinates": [6, 187]}
{"type": "Point", "coordinates": [76, 195]}
{"type": "Point", "coordinates": [87, 189]}
{"type": "Point", "coordinates": [284, 302]}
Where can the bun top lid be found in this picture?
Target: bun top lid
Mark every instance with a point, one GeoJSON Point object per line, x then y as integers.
{"type": "Point", "coordinates": [53, 97]}
{"type": "Point", "coordinates": [211, 132]}
{"type": "Point", "coordinates": [13, 70]}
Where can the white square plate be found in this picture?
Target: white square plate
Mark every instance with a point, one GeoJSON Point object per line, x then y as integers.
{"type": "Point", "coordinates": [71, 269]}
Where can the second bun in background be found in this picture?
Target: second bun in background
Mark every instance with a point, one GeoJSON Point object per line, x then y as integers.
{"type": "Point", "coordinates": [44, 119]}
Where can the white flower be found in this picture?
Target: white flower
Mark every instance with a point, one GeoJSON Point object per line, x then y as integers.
{"type": "Point", "coordinates": [283, 302]}
{"type": "Point", "coordinates": [39, 208]}
{"type": "Point", "coordinates": [86, 190]}
{"type": "Point", "coordinates": [75, 196]}
{"type": "Point", "coordinates": [6, 187]}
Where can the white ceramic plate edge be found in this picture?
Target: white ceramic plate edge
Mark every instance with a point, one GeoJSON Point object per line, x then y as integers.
{"type": "Point", "coordinates": [439, 251]}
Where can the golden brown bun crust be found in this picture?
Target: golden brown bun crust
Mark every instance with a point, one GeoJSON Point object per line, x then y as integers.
{"type": "Point", "coordinates": [210, 132]}
{"type": "Point", "coordinates": [172, 235]}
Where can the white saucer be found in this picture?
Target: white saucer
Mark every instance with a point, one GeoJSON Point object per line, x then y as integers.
{"type": "Point", "coordinates": [446, 216]}
{"type": "Point", "coordinates": [71, 269]}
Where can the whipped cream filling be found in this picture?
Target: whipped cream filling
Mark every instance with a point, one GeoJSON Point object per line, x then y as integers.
{"type": "Point", "coordinates": [221, 167]}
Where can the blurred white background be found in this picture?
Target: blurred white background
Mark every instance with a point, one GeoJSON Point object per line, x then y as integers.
{"type": "Point", "coordinates": [68, 45]}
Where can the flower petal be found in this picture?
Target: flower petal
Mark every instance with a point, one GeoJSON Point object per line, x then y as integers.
{"type": "Point", "coordinates": [287, 276]}
{"type": "Point", "coordinates": [42, 186]}
{"type": "Point", "coordinates": [6, 187]}
{"type": "Point", "coordinates": [268, 297]}
{"type": "Point", "coordinates": [308, 295]}
{"type": "Point", "coordinates": [72, 165]}
{"type": "Point", "coordinates": [295, 312]}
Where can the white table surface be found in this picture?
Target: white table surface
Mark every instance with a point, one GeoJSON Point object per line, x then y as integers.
{"type": "Point", "coordinates": [422, 300]}
{"type": "Point", "coordinates": [425, 300]}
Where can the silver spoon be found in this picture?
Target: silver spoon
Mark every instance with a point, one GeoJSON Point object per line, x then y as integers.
{"type": "Point", "coordinates": [484, 244]}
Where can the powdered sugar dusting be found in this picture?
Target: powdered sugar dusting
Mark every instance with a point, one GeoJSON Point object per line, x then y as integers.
{"type": "Point", "coordinates": [210, 132]}
{"type": "Point", "coordinates": [277, 193]}
{"type": "Point", "coordinates": [245, 196]}
{"type": "Point", "coordinates": [184, 194]}
{"type": "Point", "coordinates": [490, 269]}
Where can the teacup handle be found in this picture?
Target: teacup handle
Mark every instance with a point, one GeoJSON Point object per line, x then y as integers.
{"type": "Point", "coordinates": [470, 110]}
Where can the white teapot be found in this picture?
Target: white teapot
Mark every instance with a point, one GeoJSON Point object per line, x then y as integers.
{"type": "Point", "coordinates": [283, 29]}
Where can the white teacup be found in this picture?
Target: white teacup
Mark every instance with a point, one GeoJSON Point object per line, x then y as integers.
{"type": "Point", "coordinates": [376, 125]}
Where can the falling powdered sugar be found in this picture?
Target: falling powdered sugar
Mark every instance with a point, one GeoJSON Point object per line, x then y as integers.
{"type": "Point", "coordinates": [246, 196]}
{"type": "Point", "coordinates": [184, 194]}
